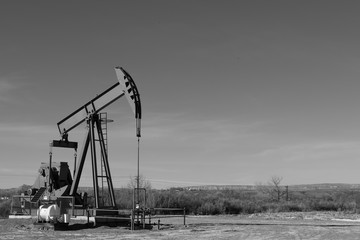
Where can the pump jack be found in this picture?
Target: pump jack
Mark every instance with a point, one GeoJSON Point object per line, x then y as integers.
{"type": "Point", "coordinates": [52, 185]}
{"type": "Point", "coordinates": [90, 113]}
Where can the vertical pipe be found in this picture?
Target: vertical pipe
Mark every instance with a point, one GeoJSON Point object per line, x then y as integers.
{"type": "Point", "coordinates": [50, 160]}
{"type": "Point", "coordinates": [184, 217]}
{"type": "Point", "coordinates": [144, 219]}
{"type": "Point", "coordinates": [88, 215]}
{"type": "Point", "coordinates": [133, 199]}
{"type": "Point", "coordinates": [138, 179]}
{"type": "Point", "coordinates": [138, 172]}
{"type": "Point", "coordinates": [75, 156]}
{"type": "Point", "coordinates": [145, 199]}
{"type": "Point", "coordinates": [132, 219]}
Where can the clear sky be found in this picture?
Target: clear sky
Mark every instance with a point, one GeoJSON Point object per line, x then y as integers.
{"type": "Point", "coordinates": [233, 92]}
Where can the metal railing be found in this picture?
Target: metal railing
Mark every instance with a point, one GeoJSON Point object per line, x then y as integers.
{"type": "Point", "coordinates": [21, 205]}
{"type": "Point", "coordinates": [136, 217]}
{"type": "Point", "coordinates": [151, 214]}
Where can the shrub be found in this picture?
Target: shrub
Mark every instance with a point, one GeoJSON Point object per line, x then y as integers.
{"type": "Point", "coordinates": [233, 206]}
{"type": "Point", "coordinates": [5, 208]}
{"type": "Point", "coordinates": [323, 205]}
{"type": "Point", "coordinates": [209, 208]}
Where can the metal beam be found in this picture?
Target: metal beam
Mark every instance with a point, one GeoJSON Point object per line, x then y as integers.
{"type": "Point", "coordinates": [92, 121]}
{"type": "Point", "coordinates": [93, 106]}
{"type": "Point", "coordinates": [75, 184]}
{"type": "Point", "coordinates": [64, 144]}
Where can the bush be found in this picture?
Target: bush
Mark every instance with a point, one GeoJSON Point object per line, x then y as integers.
{"type": "Point", "coordinates": [5, 207]}
{"type": "Point", "coordinates": [291, 207]}
{"type": "Point", "coordinates": [233, 206]}
{"type": "Point", "coordinates": [209, 209]}
{"type": "Point", "coordinates": [324, 206]}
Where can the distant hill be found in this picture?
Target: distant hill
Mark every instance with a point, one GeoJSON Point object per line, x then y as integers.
{"type": "Point", "coordinates": [300, 187]}
{"type": "Point", "coordinates": [326, 186]}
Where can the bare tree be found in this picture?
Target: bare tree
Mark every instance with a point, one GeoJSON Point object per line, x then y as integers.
{"type": "Point", "coordinates": [273, 188]}
{"type": "Point", "coordinates": [143, 182]}
{"type": "Point", "coordinates": [143, 196]}
{"type": "Point", "coordinates": [277, 190]}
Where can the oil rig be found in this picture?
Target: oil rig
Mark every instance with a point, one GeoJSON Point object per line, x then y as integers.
{"type": "Point", "coordinates": [54, 195]}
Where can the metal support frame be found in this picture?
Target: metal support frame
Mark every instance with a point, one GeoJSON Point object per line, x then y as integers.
{"type": "Point", "coordinates": [92, 136]}
{"type": "Point", "coordinates": [105, 162]}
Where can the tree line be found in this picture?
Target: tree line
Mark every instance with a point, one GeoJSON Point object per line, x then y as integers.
{"type": "Point", "coordinates": [264, 198]}
{"type": "Point", "coordinates": [212, 202]}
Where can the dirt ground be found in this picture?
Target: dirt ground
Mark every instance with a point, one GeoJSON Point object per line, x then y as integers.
{"type": "Point", "coordinates": [312, 225]}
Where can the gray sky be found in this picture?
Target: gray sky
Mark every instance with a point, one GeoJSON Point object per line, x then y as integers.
{"type": "Point", "coordinates": [233, 92]}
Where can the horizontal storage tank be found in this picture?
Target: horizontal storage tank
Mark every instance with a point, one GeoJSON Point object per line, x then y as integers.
{"type": "Point", "coordinates": [48, 213]}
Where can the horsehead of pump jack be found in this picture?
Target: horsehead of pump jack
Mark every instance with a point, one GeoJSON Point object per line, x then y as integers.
{"type": "Point", "coordinates": [132, 95]}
